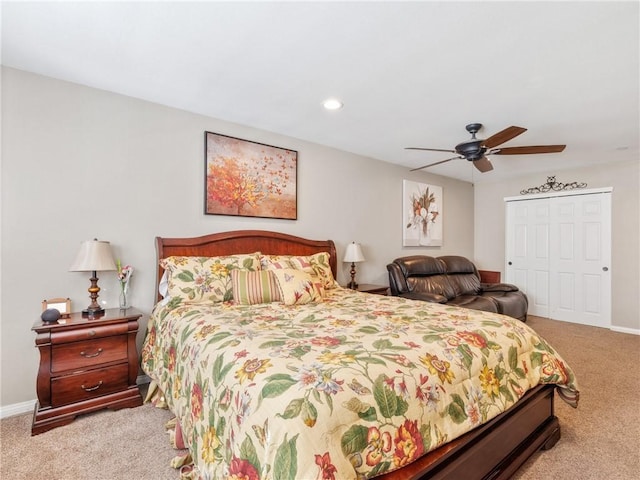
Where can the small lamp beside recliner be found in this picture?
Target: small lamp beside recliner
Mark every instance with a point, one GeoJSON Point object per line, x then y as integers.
{"type": "Point", "coordinates": [354, 255]}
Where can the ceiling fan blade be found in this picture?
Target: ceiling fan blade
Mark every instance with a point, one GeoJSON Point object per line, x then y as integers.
{"type": "Point", "coordinates": [529, 150]}
{"type": "Point", "coordinates": [503, 136]}
{"type": "Point", "coordinates": [483, 164]}
{"type": "Point", "coordinates": [429, 149]}
{"type": "Point", "coordinates": [433, 164]}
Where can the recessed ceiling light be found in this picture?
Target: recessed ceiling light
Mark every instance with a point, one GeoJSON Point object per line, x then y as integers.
{"type": "Point", "coordinates": [332, 104]}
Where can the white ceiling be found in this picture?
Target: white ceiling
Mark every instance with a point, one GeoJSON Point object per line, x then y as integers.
{"type": "Point", "coordinates": [409, 73]}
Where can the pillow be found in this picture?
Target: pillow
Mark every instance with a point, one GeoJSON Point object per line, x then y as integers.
{"type": "Point", "coordinates": [298, 287]}
{"type": "Point", "coordinates": [274, 262]}
{"type": "Point", "coordinates": [250, 287]}
{"type": "Point", "coordinates": [163, 286]}
{"type": "Point", "coordinates": [319, 265]}
{"type": "Point", "coordinates": [205, 279]}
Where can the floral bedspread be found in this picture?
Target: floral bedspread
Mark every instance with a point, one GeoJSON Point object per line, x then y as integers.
{"type": "Point", "coordinates": [349, 388]}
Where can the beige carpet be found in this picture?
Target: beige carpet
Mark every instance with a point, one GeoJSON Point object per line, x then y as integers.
{"type": "Point", "coordinates": [126, 444]}
{"type": "Point", "coordinates": [600, 440]}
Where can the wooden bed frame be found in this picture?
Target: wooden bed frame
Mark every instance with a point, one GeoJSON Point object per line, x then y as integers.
{"type": "Point", "coordinates": [494, 450]}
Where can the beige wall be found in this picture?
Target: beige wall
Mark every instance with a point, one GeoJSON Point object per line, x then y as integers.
{"type": "Point", "coordinates": [79, 163]}
{"type": "Point", "coordinates": [624, 177]}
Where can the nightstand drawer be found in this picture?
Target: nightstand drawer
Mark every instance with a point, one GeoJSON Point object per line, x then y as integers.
{"type": "Point", "coordinates": [80, 355]}
{"type": "Point", "coordinates": [78, 334]}
{"type": "Point", "coordinates": [90, 384]}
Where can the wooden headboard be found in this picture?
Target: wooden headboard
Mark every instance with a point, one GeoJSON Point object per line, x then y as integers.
{"type": "Point", "coordinates": [242, 241]}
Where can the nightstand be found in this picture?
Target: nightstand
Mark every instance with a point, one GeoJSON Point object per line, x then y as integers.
{"type": "Point", "coordinates": [489, 276]}
{"type": "Point", "coordinates": [376, 289]}
{"type": "Point", "coordinates": [86, 364]}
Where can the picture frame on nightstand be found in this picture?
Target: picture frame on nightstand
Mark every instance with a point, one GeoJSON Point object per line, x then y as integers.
{"type": "Point", "coordinates": [63, 305]}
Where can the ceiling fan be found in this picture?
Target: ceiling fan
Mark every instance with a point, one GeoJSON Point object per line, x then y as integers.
{"type": "Point", "coordinates": [476, 150]}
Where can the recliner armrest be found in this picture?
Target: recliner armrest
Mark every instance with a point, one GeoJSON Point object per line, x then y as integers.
{"type": "Point", "coordinates": [397, 281]}
{"type": "Point", "coordinates": [498, 287]}
{"type": "Point", "coordinates": [425, 297]}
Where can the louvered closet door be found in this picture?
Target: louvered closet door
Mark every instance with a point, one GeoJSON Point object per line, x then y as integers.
{"type": "Point", "coordinates": [558, 251]}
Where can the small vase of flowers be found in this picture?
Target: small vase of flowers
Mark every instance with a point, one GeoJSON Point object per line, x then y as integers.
{"type": "Point", "coordinates": [124, 275]}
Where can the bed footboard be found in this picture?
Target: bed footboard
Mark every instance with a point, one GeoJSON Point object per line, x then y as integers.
{"type": "Point", "coordinates": [488, 452]}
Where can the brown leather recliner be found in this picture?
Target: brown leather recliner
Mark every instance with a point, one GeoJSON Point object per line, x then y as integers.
{"type": "Point", "coordinates": [453, 280]}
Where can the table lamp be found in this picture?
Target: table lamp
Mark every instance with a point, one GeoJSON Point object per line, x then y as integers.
{"type": "Point", "coordinates": [353, 255]}
{"type": "Point", "coordinates": [94, 256]}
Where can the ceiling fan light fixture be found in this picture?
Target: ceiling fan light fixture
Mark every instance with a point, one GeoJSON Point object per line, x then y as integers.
{"type": "Point", "coordinates": [332, 104]}
{"type": "Point", "coordinates": [471, 149]}
{"type": "Point", "coordinates": [472, 157]}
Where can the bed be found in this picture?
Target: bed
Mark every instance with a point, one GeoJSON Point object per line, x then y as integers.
{"type": "Point", "coordinates": [346, 385]}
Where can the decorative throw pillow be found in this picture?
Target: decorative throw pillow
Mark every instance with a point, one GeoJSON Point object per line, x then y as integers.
{"type": "Point", "coordinates": [205, 279]}
{"type": "Point", "coordinates": [251, 287]}
{"type": "Point", "coordinates": [298, 287]}
{"type": "Point", "coordinates": [319, 265]}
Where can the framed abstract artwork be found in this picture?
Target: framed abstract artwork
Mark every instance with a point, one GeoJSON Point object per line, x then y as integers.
{"type": "Point", "coordinates": [422, 208]}
{"type": "Point", "coordinates": [249, 179]}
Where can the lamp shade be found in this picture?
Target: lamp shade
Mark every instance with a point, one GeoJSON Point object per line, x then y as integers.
{"type": "Point", "coordinates": [353, 253]}
{"type": "Point", "coordinates": [94, 256]}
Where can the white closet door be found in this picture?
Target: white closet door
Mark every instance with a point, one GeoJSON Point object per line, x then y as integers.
{"type": "Point", "coordinates": [528, 252]}
{"type": "Point", "coordinates": [558, 251]}
{"type": "Point", "coordinates": [580, 286]}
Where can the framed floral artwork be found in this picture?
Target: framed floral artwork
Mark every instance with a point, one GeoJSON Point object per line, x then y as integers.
{"type": "Point", "coordinates": [249, 179]}
{"type": "Point", "coordinates": [421, 214]}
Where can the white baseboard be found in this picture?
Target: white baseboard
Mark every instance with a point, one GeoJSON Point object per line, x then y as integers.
{"type": "Point", "coordinates": [17, 409]}
{"type": "Point", "coordinates": [632, 331]}
{"type": "Point", "coordinates": [24, 407]}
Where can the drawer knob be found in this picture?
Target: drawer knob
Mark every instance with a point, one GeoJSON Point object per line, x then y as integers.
{"type": "Point", "coordinates": [91, 389]}
{"type": "Point", "coordinates": [91, 333]}
{"type": "Point", "coordinates": [91, 355]}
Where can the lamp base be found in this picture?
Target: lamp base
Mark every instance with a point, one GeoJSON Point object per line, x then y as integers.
{"type": "Point", "coordinates": [94, 307]}
{"type": "Point", "coordinates": [352, 285]}
{"type": "Point", "coordinates": [92, 312]}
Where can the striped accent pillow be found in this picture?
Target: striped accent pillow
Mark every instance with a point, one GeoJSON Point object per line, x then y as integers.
{"type": "Point", "coordinates": [251, 287]}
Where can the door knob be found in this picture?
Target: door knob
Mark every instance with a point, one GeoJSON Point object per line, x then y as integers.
{"type": "Point", "coordinates": [510, 263]}
{"type": "Point", "coordinates": [605, 269]}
